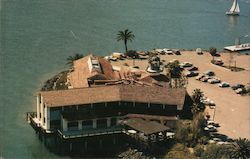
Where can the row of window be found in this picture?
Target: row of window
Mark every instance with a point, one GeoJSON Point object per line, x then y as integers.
{"type": "Point", "coordinates": [111, 105]}
{"type": "Point", "coordinates": [100, 123]}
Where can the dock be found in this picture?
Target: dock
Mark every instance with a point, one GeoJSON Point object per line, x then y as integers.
{"type": "Point", "coordinates": [240, 47]}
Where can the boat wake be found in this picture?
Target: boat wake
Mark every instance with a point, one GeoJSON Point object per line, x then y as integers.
{"type": "Point", "coordinates": [73, 34]}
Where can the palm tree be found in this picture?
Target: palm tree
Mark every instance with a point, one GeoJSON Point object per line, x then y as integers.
{"type": "Point", "coordinates": [126, 36]}
{"type": "Point", "coordinates": [240, 149]}
{"type": "Point", "coordinates": [71, 59]}
{"type": "Point", "coordinates": [175, 73]}
{"type": "Point", "coordinates": [197, 106]}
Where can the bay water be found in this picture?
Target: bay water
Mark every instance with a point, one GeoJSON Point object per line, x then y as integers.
{"type": "Point", "coordinates": [38, 35]}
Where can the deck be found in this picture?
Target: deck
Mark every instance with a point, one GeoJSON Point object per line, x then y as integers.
{"type": "Point", "coordinates": [90, 132]}
{"type": "Point", "coordinates": [240, 47]}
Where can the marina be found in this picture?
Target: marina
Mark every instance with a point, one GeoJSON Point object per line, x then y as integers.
{"type": "Point", "coordinates": [240, 47]}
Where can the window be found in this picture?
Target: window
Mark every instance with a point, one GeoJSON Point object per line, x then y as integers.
{"type": "Point", "coordinates": [55, 124]}
{"type": "Point", "coordinates": [73, 126]}
{"type": "Point", "coordinates": [87, 124]}
{"type": "Point", "coordinates": [102, 123]}
{"type": "Point", "coordinates": [113, 121]}
{"type": "Point", "coordinates": [44, 120]}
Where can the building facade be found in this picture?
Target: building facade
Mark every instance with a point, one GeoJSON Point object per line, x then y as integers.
{"type": "Point", "coordinates": [102, 103]}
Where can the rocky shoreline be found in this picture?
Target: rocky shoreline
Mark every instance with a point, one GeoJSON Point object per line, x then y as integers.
{"type": "Point", "coordinates": [57, 82]}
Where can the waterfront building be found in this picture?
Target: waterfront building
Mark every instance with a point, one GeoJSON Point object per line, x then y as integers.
{"type": "Point", "coordinates": [100, 103]}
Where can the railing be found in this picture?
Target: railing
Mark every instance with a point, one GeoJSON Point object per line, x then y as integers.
{"type": "Point", "coordinates": [30, 115]}
{"type": "Point", "coordinates": [91, 132]}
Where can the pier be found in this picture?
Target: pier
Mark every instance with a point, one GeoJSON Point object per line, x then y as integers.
{"type": "Point", "coordinates": [240, 47]}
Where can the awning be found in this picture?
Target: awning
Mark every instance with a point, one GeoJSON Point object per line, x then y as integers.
{"type": "Point", "coordinates": [146, 127]}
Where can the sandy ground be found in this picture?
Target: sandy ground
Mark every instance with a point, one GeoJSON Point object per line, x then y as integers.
{"type": "Point", "coordinates": [232, 111]}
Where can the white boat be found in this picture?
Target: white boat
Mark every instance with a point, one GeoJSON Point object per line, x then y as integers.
{"type": "Point", "coordinates": [235, 9]}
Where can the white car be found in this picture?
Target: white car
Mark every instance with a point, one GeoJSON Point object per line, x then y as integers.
{"type": "Point", "coordinates": [224, 84]}
{"type": "Point", "coordinates": [159, 51]}
{"type": "Point", "coordinates": [217, 139]}
{"type": "Point", "coordinates": [168, 51]}
{"type": "Point", "coordinates": [186, 64]}
{"type": "Point", "coordinates": [199, 51]}
{"type": "Point", "coordinates": [223, 143]}
{"type": "Point", "coordinates": [208, 102]}
{"type": "Point", "coordinates": [213, 81]}
{"type": "Point", "coordinates": [211, 122]}
{"type": "Point", "coordinates": [210, 128]}
{"type": "Point", "coordinates": [205, 79]}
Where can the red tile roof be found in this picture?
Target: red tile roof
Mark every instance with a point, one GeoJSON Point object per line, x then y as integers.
{"type": "Point", "coordinates": [121, 92]}
{"type": "Point", "coordinates": [78, 78]}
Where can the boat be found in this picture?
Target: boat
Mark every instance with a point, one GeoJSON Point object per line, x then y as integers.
{"type": "Point", "coordinates": [235, 9]}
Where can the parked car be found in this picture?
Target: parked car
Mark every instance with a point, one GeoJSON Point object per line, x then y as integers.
{"type": "Point", "coordinates": [210, 128]}
{"type": "Point", "coordinates": [205, 79]}
{"type": "Point", "coordinates": [209, 73]}
{"type": "Point", "coordinates": [199, 51]}
{"type": "Point", "coordinates": [113, 59]}
{"type": "Point", "coordinates": [199, 77]}
{"type": "Point", "coordinates": [186, 64]}
{"type": "Point", "coordinates": [213, 81]}
{"type": "Point", "coordinates": [107, 57]}
{"type": "Point", "coordinates": [193, 68]}
{"type": "Point", "coordinates": [173, 60]}
{"type": "Point", "coordinates": [192, 74]}
{"type": "Point", "coordinates": [217, 139]}
{"type": "Point", "coordinates": [159, 51]}
{"type": "Point", "coordinates": [169, 52]}
{"type": "Point", "coordinates": [210, 122]}
{"type": "Point", "coordinates": [240, 91]}
{"type": "Point", "coordinates": [137, 67]}
{"type": "Point", "coordinates": [237, 86]}
{"type": "Point", "coordinates": [217, 62]}
{"type": "Point", "coordinates": [222, 143]}
{"type": "Point", "coordinates": [217, 55]}
{"type": "Point", "coordinates": [177, 52]}
{"type": "Point", "coordinates": [208, 102]}
{"type": "Point", "coordinates": [223, 84]}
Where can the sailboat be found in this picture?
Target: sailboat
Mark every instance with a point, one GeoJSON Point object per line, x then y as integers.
{"type": "Point", "coordinates": [235, 9]}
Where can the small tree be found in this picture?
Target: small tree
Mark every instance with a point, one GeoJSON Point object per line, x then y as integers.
{"type": "Point", "coordinates": [197, 126]}
{"type": "Point", "coordinates": [182, 134]}
{"type": "Point", "coordinates": [215, 152]}
{"type": "Point", "coordinates": [197, 106]}
{"type": "Point", "coordinates": [212, 51]}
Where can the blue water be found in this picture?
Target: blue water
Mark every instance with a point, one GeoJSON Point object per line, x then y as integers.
{"type": "Point", "coordinates": [38, 35]}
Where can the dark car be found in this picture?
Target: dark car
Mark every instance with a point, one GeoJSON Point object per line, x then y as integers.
{"type": "Point", "coordinates": [217, 55]}
{"type": "Point", "coordinates": [209, 73]}
{"type": "Point", "coordinates": [192, 74]}
{"type": "Point", "coordinates": [237, 86]}
{"type": "Point", "coordinates": [177, 52]}
{"type": "Point", "coordinates": [193, 69]}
